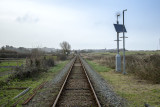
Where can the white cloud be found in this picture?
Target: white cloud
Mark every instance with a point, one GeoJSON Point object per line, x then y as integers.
{"type": "Point", "coordinates": [35, 22]}
{"type": "Point", "coordinates": [27, 18]}
{"type": "Point", "coordinates": [54, 23]}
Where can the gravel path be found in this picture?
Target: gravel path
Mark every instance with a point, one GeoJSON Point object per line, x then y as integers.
{"type": "Point", "coordinates": [104, 92]}
{"type": "Point", "coordinates": [46, 96]}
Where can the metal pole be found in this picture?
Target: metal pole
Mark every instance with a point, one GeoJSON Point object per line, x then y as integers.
{"type": "Point", "coordinates": [124, 72]}
{"type": "Point", "coordinates": [118, 57]}
{"type": "Point", "coordinates": [118, 42]}
{"type": "Point", "coordinates": [117, 37]}
{"type": "Point", "coordinates": [159, 43]}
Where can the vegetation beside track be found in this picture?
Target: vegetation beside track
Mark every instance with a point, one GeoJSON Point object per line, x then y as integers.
{"type": "Point", "coordinates": [7, 67]}
{"type": "Point", "coordinates": [10, 63]}
{"type": "Point", "coordinates": [130, 53]}
{"type": "Point", "coordinates": [38, 67]}
{"type": "Point", "coordinates": [137, 91]}
{"type": "Point", "coordinates": [98, 67]}
{"type": "Point", "coordinates": [6, 95]}
{"type": "Point", "coordinates": [143, 65]}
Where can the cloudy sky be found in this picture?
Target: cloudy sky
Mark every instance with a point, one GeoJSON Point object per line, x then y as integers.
{"type": "Point", "coordinates": [85, 24]}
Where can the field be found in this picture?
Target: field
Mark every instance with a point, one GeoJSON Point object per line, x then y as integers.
{"type": "Point", "coordinates": [9, 91]}
{"type": "Point", "coordinates": [131, 53]}
{"type": "Point", "coordinates": [137, 90]}
{"type": "Point", "coordinates": [143, 65]}
{"type": "Point", "coordinates": [10, 63]}
{"type": "Point", "coordinates": [7, 67]}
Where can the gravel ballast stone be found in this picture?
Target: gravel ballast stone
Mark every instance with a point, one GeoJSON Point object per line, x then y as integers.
{"type": "Point", "coordinates": [107, 97]}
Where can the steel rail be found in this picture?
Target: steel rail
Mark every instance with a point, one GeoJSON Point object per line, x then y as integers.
{"type": "Point", "coordinates": [95, 96]}
{"type": "Point", "coordinates": [92, 89]}
{"type": "Point", "coordinates": [60, 92]}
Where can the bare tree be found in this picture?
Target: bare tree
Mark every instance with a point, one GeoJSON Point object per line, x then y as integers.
{"type": "Point", "coordinates": [66, 47]}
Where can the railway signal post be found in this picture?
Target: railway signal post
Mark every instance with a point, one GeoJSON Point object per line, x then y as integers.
{"type": "Point", "coordinates": [120, 29]}
{"type": "Point", "coordinates": [118, 57]}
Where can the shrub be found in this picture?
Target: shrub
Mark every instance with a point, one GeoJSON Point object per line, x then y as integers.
{"type": "Point", "coordinates": [143, 66]}
{"type": "Point", "coordinates": [49, 62]}
{"type": "Point", "coordinates": [33, 67]}
{"type": "Point", "coordinates": [13, 54]}
{"type": "Point", "coordinates": [61, 57]}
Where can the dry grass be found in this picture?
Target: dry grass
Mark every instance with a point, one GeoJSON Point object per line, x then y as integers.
{"type": "Point", "coordinates": [136, 91]}
{"type": "Point", "coordinates": [144, 66]}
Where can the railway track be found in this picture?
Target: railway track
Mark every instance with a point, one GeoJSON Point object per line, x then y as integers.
{"type": "Point", "coordinates": [77, 90]}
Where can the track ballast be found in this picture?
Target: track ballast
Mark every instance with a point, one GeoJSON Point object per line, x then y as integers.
{"type": "Point", "coordinates": [77, 90]}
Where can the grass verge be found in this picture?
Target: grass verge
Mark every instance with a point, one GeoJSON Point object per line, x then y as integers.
{"type": "Point", "coordinates": [6, 96]}
{"type": "Point", "coordinates": [136, 91]}
{"type": "Point", "coordinates": [98, 67]}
